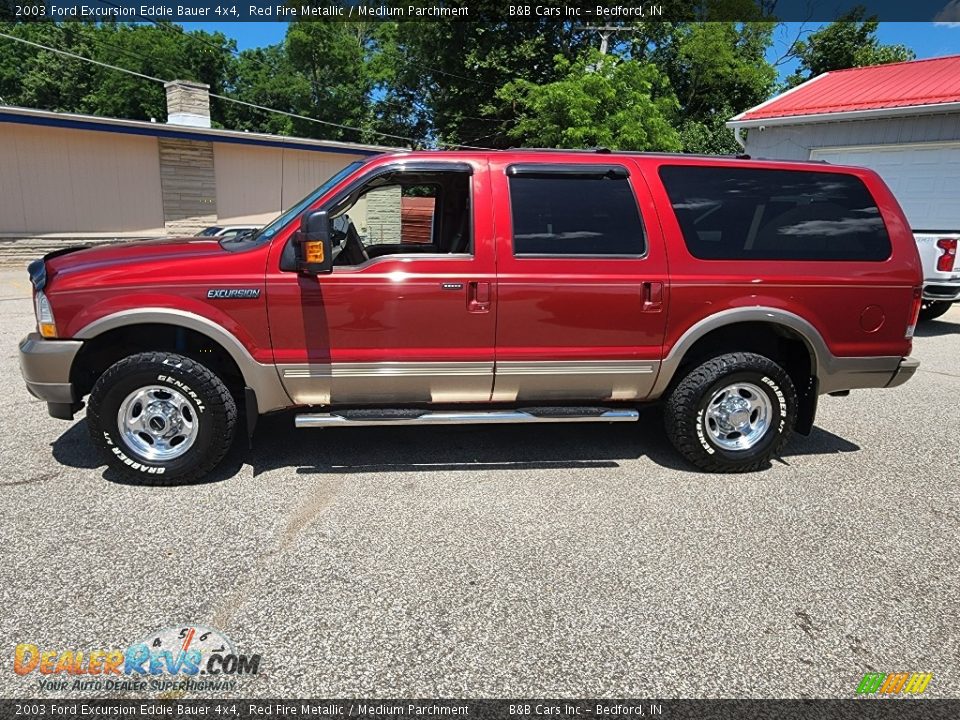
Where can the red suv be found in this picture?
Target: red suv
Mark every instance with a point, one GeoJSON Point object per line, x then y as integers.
{"type": "Point", "coordinates": [493, 287]}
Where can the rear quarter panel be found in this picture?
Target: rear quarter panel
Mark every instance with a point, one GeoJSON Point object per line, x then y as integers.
{"type": "Point", "coordinates": [840, 299]}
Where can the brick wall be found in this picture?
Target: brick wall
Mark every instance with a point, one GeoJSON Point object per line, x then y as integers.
{"type": "Point", "coordinates": [383, 215]}
{"type": "Point", "coordinates": [188, 184]}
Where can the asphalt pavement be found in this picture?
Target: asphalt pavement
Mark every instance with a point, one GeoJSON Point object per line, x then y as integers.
{"type": "Point", "coordinates": [504, 561]}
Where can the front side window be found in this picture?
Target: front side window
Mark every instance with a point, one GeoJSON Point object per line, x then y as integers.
{"type": "Point", "coordinates": [404, 213]}
{"type": "Point", "coordinates": [565, 214]}
{"type": "Point", "coordinates": [396, 214]}
{"type": "Point", "coordinates": [730, 213]}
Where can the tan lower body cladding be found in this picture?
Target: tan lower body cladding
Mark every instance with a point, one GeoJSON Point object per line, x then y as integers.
{"type": "Point", "coordinates": [469, 382]}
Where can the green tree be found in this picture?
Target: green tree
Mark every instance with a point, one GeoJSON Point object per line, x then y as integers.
{"type": "Point", "coordinates": [34, 77]}
{"type": "Point", "coordinates": [447, 75]}
{"type": "Point", "coordinates": [709, 136]}
{"type": "Point", "coordinates": [475, 83]}
{"type": "Point", "coordinates": [598, 101]}
{"type": "Point", "coordinates": [849, 42]}
{"type": "Point", "coordinates": [717, 69]}
{"type": "Point", "coordinates": [333, 59]}
{"type": "Point", "coordinates": [330, 72]}
{"type": "Point", "coordinates": [263, 76]}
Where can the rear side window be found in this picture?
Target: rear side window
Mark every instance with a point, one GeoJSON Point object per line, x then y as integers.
{"type": "Point", "coordinates": [729, 213]}
{"type": "Point", "coordinates": [568, 214]}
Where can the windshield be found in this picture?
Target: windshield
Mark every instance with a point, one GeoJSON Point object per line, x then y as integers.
{"type": "Point", "coordinates": [268, 231]}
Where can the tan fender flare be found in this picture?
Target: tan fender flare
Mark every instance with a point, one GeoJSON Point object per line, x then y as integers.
{"type": "Point", "coordinates": [262, 379]}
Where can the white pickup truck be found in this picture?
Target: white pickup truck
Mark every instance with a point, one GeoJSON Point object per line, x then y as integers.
{"type": "Point", "coordinates": [941, 272]}
{"type": "Point", "coordinates": [925, 177]}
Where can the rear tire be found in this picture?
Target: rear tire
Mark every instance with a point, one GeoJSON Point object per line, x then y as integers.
{"type": "Point", "coordinates": [732, 413]}
{"type": "Point", "coordinates": [161, 418]}
{"type": "Point", "coordinates": [932, 309]}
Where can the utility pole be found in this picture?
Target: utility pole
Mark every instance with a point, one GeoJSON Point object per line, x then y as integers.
{"type": "Point", "coordinates": [606, 32]}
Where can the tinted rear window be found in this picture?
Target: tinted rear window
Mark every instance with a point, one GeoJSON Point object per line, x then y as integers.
{"type": "Point", "coordinates": [749, 214]}
{"type": "Point", "coordinates": [558, 215]}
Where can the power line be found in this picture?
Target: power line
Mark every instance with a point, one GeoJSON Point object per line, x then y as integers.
{"type": "Point", "coordinates": [180, 32]}
{"type": "Point", "coordinates": [347, 127]}
{"type": "Point", "coordinates": [224, 97]}
{"type": "Point", "coordinates": [81, 57]}
{"type": "Point", "coordinates": [177, 30]}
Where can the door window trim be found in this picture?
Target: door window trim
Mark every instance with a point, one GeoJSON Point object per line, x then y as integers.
{"type": "Point", "coordinates": [389, 169]}
{"type": "Point", "coordinates": [571, 171]}
{"type": "Point", "coordinates": [591, 170]}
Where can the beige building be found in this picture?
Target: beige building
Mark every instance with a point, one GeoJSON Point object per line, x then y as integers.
{"type": "Point", "coordinates": [77, 178]}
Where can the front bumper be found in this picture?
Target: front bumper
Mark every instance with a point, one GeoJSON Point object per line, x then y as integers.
{"type": "Point", "coordinates": [905, 370]}
{"type": "Point", "coordinates": [45, 366]}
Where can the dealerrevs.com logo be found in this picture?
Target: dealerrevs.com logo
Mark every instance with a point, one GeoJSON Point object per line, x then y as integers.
{"type": "Point", "coordinates": [192, 658]}
{"type": "Point", "coordinates": [894, 683]}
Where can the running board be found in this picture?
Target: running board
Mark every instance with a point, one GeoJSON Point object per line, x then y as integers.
{"type": "Point", "coordinates": [417, 417]}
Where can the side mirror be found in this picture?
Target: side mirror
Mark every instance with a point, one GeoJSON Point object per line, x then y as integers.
{"type": "Point", "coordinates": [315, 254]}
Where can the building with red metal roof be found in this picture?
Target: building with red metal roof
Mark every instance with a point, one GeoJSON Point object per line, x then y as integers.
{"type": "Point", "coordinates": [901, 119]}
{"type": "Point", "coordinates": [877, 91]}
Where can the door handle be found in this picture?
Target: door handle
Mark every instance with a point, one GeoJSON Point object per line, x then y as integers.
{"type": "Point", "coordinates": [652, 296]}
{"type": "Point", "coordinates": [478, 297]}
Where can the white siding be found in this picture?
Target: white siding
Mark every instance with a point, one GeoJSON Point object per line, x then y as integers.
{"type": "Point", "coordinates": [54, 181]}
{"type": "Point", "coordinates": [925, 177]}
{"type": "Point", "coordinates": [248, 183]}
{"type": "Point", "coordinates": [304, 171]}
{"type": "Point", "coordinates": [794, 142]}
{"type": "Point", "coordinates": [256, 184]}
{"type": "Point", "coordinates": [71, 183]}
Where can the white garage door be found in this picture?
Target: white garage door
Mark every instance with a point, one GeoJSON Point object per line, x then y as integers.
{"type": "Point", "coordinates": [925, 177]}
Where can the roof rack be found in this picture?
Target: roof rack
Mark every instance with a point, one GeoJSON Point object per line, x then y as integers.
{"type": "Point", "coordinates": [608, 151]}
{"type": "Point", "coordinates": [602, 150]}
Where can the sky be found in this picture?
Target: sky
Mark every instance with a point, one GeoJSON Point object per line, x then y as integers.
{"type": "Point", "coordinates": [927, 39]}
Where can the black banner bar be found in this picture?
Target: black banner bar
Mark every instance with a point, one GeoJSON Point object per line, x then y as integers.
{"type": "Point", "coordinates": [556, 709]}
{"type": "Point", "coordinates": [576, 11]}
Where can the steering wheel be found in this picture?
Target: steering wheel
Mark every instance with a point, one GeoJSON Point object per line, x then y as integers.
{"type": "Point", "coordinates": [353, 252]}
{"type": "Point", "coordinates": [354, 245]}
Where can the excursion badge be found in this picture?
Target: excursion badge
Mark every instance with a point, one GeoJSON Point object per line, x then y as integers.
{"type": "Point", "coordinates": [233, 293]}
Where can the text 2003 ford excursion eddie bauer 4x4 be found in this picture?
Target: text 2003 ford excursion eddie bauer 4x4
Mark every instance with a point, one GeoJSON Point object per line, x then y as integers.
{"type": "Point", "coordinates": [493, 287]}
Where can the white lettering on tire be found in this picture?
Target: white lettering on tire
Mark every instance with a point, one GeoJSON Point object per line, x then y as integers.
{"type": "Point", "coordinates": [782, 400]}
{"type": "Point", "coordinates": [700, 436]}
{"type": "Point", "coordinates": [132, 464]}
{"type": "Point", "coordinates": [186, 388]}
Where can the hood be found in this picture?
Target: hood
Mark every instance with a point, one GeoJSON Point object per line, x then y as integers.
{"type": "Point", "coordinates": [130, 256]}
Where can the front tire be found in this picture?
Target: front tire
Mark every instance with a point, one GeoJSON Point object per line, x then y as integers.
{"type": "Point", "coordinates": [732, 413]}
{"type": "Point", "coordinates": [932, 309]}
{"type": "Point", "coordinates": [161, 418]}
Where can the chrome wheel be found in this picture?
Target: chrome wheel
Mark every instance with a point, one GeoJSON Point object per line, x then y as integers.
{"type": "Point", "coordinates": [737, 416]}
{"type": "Point", "coordinates": [157, 423]}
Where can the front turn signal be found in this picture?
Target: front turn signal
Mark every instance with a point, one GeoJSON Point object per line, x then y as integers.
{"type": "Point", "coordinates": [45, 322]}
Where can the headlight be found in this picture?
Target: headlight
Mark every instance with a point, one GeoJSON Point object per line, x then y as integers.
{"type": "Point", "coordinates": [45, 322]}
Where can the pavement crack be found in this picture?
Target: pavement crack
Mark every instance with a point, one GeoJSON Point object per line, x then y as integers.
{"type": "Point", "coordinates": [953, 517]}
{"type": "Point", "coordinates": [313, 506]}
{"type": "Point", "coordinates": [939, 372]}
{"type": "Point", "coordinates": [43, 477]}
{"type": "Point", "coordinates": [806, 624]}
{"type": "Point", "coordinates": [855, 645]}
